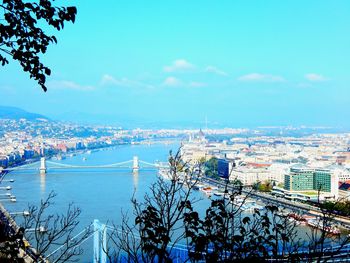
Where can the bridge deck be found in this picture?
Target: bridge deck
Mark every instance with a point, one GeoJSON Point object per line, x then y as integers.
{"type": "Point", "coordinates": [49, 165]}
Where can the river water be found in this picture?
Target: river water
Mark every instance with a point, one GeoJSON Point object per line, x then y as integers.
{"type": "Point", "coordinates": [100, 193]}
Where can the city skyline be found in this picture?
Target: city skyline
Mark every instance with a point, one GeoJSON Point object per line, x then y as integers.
{"type": "Point", "coordinates": [237, 63]}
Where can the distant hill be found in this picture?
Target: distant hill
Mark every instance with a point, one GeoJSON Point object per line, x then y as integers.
{"type": "Point", "coordinates": [7, 112]}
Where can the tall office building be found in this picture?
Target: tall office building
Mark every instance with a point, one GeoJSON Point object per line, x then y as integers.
{"type": "Point", "coordinates": [299, 179]}
{"type": "Point", "coordinates": [311, 179]}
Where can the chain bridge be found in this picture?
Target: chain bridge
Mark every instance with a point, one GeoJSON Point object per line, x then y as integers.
{"type": "Point", "coordinates": [45, 165]}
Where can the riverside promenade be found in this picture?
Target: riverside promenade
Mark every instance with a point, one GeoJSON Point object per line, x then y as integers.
{"type": "Point", "coordinates": [294, 206]}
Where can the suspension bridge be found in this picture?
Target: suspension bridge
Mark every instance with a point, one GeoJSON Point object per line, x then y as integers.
{"type": "Point", "coordinates": [45, 165]}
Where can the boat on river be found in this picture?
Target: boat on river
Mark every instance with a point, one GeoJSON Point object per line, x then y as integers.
{"type": "Point", "coordinates": [217, 193]}
{"type": "Point", "coordinates": [198, 186]}
{"type": "Point", "coordinates": [317, 223]}
{"type": "Point", "coordinates": [207, 190]}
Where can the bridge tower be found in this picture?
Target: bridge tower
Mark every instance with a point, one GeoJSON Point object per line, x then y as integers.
{"type": "Point", "coordinates": [42, 165]}
{"type": "Point", "coordinates": [100, 242]}
{"type": "Point", "coordinates": [135, 165]}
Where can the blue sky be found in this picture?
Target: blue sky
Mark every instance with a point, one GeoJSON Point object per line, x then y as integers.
{"type": "Point", "coordinates": [240, 63]}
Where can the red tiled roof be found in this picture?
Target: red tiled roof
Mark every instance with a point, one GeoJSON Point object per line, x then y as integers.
{"type": "Point", "coordinates": [259, 165]}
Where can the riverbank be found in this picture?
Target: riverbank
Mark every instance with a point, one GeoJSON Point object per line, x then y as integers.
{"type": "Point", "coordinates": [100, 193]}
{"type": "Point", "coordinates": [149, 142]}
{"type": "Point", "coordinates": [9, 229]}
{"type": "Point", "coordinates": [342, 222]}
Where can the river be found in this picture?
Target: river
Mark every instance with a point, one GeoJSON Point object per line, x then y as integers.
{"type": "Point", "coordinates": [100, 193]}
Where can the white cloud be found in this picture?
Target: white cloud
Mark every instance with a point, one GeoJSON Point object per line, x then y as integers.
{"type": "Point", "coordinates": [179, 65]}
{"type": "Point", "coordinates": [108, 79]}
{"type": "Point", "coordinates": [122, 82]}
{"type": "Point", "coordinates": [172, 82]}
{"type": "Point", "coordinates": [315, 77]}
{"type": "Point", "coordinates": [212, 69]}
{"type": "Point", "coordinates": [257, 77]}
{"type": "Point", "coordinates": [66, 84]}
{"type": "Point", "coordinates": [175, 82]}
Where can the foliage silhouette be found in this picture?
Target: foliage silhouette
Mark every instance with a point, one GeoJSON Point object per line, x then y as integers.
{"type": "Point", "coordinates": [44, 236]}
{"type": "Point", "coordinates": [158, 224]}
{"type": "Point", "coordinates": [223, 234]}
{"type": "Point", "coordinates": [22, 35]}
